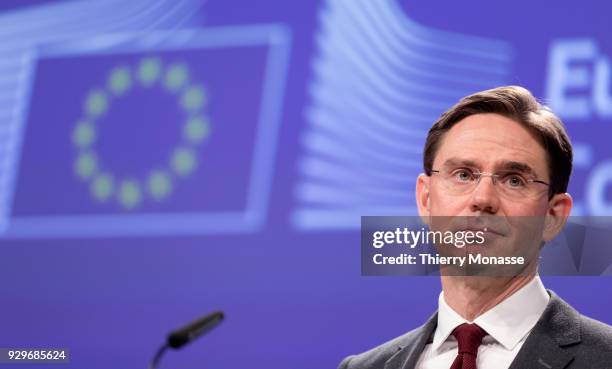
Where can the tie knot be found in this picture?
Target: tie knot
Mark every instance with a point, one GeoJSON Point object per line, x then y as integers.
{"type": "Point", "coordinates": [469, 337]}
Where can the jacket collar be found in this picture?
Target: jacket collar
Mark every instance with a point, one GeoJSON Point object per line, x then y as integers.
{"type": "Point", "coordinates": [547, 345]}
{"type": "Point", "coordinates": [410, 349]}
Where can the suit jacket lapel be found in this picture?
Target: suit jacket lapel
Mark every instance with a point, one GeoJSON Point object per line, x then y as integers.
{"type": "Point", "coordinates": [410, 350]}
{"type": "Point", "coordinates": [546, 346]}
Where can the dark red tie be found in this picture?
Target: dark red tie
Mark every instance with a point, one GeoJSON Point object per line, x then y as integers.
{"type": "Point", "coordinates": [469, 337]}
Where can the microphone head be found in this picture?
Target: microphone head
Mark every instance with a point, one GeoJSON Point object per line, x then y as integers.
{"type": "Point", "coordinates": [195, 329]}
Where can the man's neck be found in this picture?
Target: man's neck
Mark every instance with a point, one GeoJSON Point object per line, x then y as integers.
{"type": "Point", "coordinates": [472, 296]}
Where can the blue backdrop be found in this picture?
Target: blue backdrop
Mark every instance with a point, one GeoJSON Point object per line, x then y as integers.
{"type": "Point", "coordinates": [162, 159]}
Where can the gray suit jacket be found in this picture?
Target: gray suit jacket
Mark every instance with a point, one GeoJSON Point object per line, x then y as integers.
{"type": "Point", "coordinates": [561, 339]}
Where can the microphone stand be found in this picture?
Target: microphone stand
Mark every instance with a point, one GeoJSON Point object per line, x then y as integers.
{"type": "Point", "coordinates": [158, 356]}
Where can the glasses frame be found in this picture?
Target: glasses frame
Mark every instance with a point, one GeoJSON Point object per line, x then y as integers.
{"type": "Point", "coordinates": [494, 177]}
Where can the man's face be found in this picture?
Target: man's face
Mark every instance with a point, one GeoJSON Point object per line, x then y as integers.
{"type": "Point", "coordinates": [487, 143]}
{"type": "Point", "coordinates": [492, 143]}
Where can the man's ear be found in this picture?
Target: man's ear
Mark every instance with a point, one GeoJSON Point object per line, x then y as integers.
{"type": "Point", "coordinates": [422, 196]}
{"type": "Point", "coordinates": [559, 208]}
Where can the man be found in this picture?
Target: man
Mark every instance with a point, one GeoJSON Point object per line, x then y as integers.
{"type": "Point", "coordinates": [497, 153]}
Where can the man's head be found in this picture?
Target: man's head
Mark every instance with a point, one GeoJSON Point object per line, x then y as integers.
{"type": "Point", "coordinates": [519, 105]}
{"type": "Point", "coordinates": [498, 152]}
{"type": "Point", "coordinates": [502, 129]}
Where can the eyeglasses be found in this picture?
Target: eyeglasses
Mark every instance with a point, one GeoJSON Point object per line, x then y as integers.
{"type": "Point", "coordinates": [512, 185]}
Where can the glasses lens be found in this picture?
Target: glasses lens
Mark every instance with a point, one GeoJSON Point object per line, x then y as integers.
{"type": "Point", "coordinates": [511, 188]}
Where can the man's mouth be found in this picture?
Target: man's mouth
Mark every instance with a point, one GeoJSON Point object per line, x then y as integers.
{"type": "Point", "coordinates": [487, 230]}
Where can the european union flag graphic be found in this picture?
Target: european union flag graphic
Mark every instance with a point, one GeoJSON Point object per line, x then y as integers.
{"type": "Point", "coordinates": [145, 135]}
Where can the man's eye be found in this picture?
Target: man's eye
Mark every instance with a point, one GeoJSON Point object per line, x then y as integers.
{"type": "Point", "coordinates": [463, 175]}
{"type": "Point", "coordinates": [514, 181]}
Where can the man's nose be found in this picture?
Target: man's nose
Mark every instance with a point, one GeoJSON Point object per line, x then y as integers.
{"type": "Point", "coordinates": [485, 197]}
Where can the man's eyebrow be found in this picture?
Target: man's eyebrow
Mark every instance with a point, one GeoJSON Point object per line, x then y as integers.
{"type": "Point", "coordinates": [507, 165]}
{"type": "Point", "coordinates": [517, 166]}
{"type": "Point", "coordinates": [456, 162]}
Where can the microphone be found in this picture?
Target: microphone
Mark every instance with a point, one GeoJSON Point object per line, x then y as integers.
{"type": "Point", "coordinates": [193, 330]}
{"type": "Point", "coordinates": [188, 333]}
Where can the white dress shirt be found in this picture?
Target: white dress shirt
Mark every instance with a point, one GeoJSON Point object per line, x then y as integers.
{"type": "Point", "coordinates": [508, 324]}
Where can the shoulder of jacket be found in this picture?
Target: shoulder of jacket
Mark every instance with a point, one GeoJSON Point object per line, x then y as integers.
{"type": "Point", "coordinates": [379, 355]}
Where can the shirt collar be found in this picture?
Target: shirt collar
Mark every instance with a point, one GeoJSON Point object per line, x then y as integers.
{"type": "Point", "coordinates": [507, 322]}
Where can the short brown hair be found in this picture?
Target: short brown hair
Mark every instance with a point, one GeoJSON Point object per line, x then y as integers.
{"type": "Point", "coordinates": [518, 104]}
